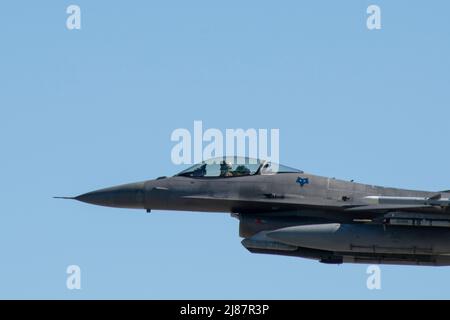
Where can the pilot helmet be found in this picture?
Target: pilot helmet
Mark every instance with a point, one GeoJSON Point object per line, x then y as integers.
{"type": "Point", "coordinates": [225, 166]}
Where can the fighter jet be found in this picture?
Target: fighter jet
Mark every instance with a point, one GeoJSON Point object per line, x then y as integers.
{"type": "Point", "coordinates": [286, 211]}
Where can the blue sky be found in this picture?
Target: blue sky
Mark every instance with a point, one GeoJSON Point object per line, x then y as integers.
{"type": "Point", "coordinates": [95, 107]}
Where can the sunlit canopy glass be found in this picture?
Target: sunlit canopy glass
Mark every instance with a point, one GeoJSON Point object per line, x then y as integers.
{"type": "Point", "coordinates": [235, 167]}
{"type": "Point", "coordinates": [223, 167]}
{"type": "Point", "coordinates": [273, 168]}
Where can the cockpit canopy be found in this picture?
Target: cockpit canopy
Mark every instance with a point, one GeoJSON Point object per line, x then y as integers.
{"type": "Point", "coordinates": [235, 167]}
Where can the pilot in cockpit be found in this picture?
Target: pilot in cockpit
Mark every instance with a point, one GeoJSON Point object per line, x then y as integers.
{"type": "Point", "coordinates": [200, 172]}
{"type": "Point", "coordinates": [241, 170]}
{"type": "Point", "coordinates": [225, 169]}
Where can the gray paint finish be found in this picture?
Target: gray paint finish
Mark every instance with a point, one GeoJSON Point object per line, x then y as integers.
{"type": "Point", "coordinates": [304, 215]}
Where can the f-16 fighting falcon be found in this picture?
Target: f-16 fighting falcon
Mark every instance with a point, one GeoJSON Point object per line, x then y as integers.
{"type": "Point", "coordinates": [286, 211]}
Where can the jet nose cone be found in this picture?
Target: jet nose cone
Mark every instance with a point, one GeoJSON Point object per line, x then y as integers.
{"type": "Point", "coordinates": [124, 196]}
